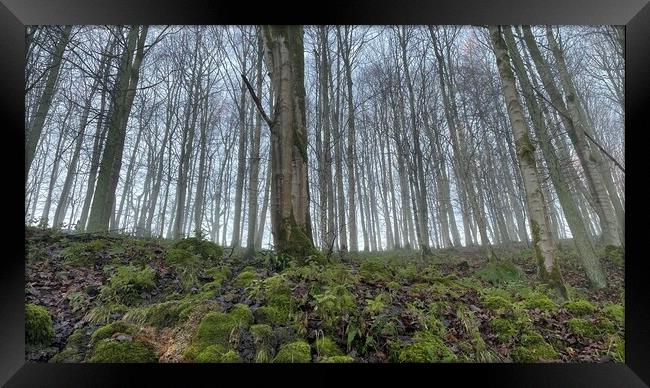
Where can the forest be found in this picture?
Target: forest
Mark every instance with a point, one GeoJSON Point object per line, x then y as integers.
{"type": "Point", "coordinates": [324, 194]}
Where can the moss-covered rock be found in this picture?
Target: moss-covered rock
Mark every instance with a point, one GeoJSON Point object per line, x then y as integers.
{"type": "Point", "coordinates": [497, 273]}
{"type": "Point", "coordinates": [113, 351]}
{"type": "Point", "coordinates": [583, 328]}
{"type": "Point", "coordinates": [211, 354]}
{"type": "Point", "coordinates": [205, 249]}
{"type": "Point", "coordinates": [326, 347]}
{"type": "Point", "coordinates": [128, 282]}
{"type": "Point", "coordinates": [537, 300]}
{"type": "Point", "coordinates": [294, 352]}
{"type": "Point", "coordinates": [337, 360]}
{"type": "Point", "coordinates": [39, 329]}
{"type": "Point", "coordinates": [533, 348]}
{"type": "Point", "coordinates": [215, 328]}
{"type": "Point", "coordinates": [242, 315]}
{"type": "Point", "coordinates": [615, 312]}
{"type": "Point", "coordinates": [72, 353]}
{"type": "Point", "coordinates": [245, 278]}
{"type": "Point", "coordinates": [426, 348]}
{"type": "Point", "coordinates": [505, 329]}
{"type": "Point", "coordinates": [270, 315]}
{"type": "Point", "coordinates": [219, 273]}
{"type": "Point", "coordinates": [262, 334]}
{"type": "Point", "coordinates": [107, 331]}
{"type": "Point", "coordinates": [580, 307]}
{"type": "Point", "coordinates": [496, 302]}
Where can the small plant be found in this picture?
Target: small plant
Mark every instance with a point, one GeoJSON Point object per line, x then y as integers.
{"type": "Point", "coordinates": [333, 303]}
{"type": "Point", "coordinates": [78, 301]}
{"type": "Point", "coordinates": [127, 284]}
{"type": "Point", "coordinates": [39, 329]}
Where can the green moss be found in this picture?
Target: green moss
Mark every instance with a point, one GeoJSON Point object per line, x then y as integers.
{"type": "Point", "coordinates": [107, 331]}
{"type": "Point", "coordinates": [219, 273]}
{"type": "Point", "coordinates": [212, 353]}
{"type": "Point", "coordinates": [231, 356]}
{"type": "Point", "coordinates": [533, 348]}
{"type": "Point", "coordinates": [375, 271]}
{"type": "Point", "coordinates": [112, 351]}
{"type": "Point", "coordinates": [504, 329]}
{"type": "Point", "coordinates": [270, 315]}
{"type": "Point", "coordinates": [181, 257]}
{"type": "Point", "coordinates": [83, 254]}
{"type": "Point", "coordinates": [333, 303]}
{"type": "Point", "coordinates": [207, 250]}
{"type": "Point", "coordinates": [72, 352]}
{"type": "Point", "coordinates": [262, 334]}
{"type": "Point", "coordinates": [128, 283]}
{"type": "Point", "coordinates": [39, 329]}
{"type": "Point", "coordinates": [584, 328]}
{"type": "Point", "coordinates": [615, 312]}
{"type": "Point", "coordinates": [615, 254]}
{"type": "Point", "coordinates": [426, 348]}
{"type": "Point", "coordinates": [294, 352]}
{"type": "Point", "coordinates": [337, 360]}
{"type": "Point", "coordinates": [326, 347]}
{"type": "Point", "coordinates": [245, 278]}
{"type": "Point", "coordinates": [616, 348]}
{"type": "Point", "coordinates": [580, 307]}
{"type": "Point", "coordinates": [496, 303]}
{"type": "Point", "coordinates": [242, 314]}
{"type": "Point", "coordinates": [497, 273]}
{"type": "Point", "coordinates": [215, 328]}
{"type": "Point", "coordinates": [539, 301]}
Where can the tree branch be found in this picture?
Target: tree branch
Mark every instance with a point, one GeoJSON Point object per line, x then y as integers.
{"type": "Point", "coordinates": [258, 103]}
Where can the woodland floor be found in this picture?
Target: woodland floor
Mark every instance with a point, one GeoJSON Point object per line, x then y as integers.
{"type": "Point", "coordinates": [115, 298]}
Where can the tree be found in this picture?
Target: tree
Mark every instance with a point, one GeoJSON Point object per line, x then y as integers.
{"type": "Point", "coordinates": [544, 246]}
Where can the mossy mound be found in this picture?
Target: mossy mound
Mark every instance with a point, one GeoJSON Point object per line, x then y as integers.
{"type": "Point", "coordinates": [326, 347]}
{"type": "Point", "coordinates": [337, 360]}
{"type": "Point", "coordinates": [113, 351]}
{"type": "Point", "coordinates": [533, 348]}
{"type": "Point", "coordinates": [375, 271]}
{"type": "Point", "coordinates": [128, 283]}
{"type": "Point", "coordinates": [109, 330]}
{"type": "Point", "coordinates": [39, 329]}
{"type": "Point", "coordinates": [294, 352]}
{"type": "Point", "coordinates": [499, 273]}
{"type": "Point", "coordinates": [615, 312]}
{"type": "Point", "coordinates": [207, 250]}
{"type": "Point", "coordinates": [496, 302]}
{"type": "Point", "coordinates": [538, 300]}
{"type": "Point", "coordinates": [590, 329]}
{"type": "Point", "coordinates": [426, 348]}
{"type": "Point", "coordinates": [262, 334]}
{"type": "Point", "coordinates": [72, 353]}
{"type": "Point", "coordinates": [245, 278]}
{"type": "Point", "coordinates": [83, 254]}
{"type": "Point", "coordinates": [270, 315]}
{"type": "Point", "coordinates": [242, 315]}
{"type": "Point", "coordinates": [505, 329]}
{"type": "Point", "coordinates": [580, 307]}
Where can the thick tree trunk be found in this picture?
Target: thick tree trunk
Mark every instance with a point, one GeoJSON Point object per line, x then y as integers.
{"type": "Point", "coordinates": [291, 224]}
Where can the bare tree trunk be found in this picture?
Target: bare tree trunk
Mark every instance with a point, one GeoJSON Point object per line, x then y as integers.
{"type": "Point", "coordinates": [545, 249]}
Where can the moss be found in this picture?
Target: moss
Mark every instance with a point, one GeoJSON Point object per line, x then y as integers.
{"type": "Point", "coordinates": [205, 249]}
{"type": "Point", "coordinates": [496, 303]}
{"type": "Point", "coordinates": [245, 278]}
{"type": "Point", "coordinates": [497, 273]}
{"type": "Point", "coordinates": [615, 254]}
{"type": "Point", "coordinates": [539, 301]}
{"type": "Point", "coordinates": [326, 347]}
{"type": "Point", "coordinates": [215, 328]}
{"type": "Point", "coordinates": [39, 329]}
{"type": "Point", "coordinates": [584, 328]}
{"type": "Point", "coordinates": [219, 273]}
{"type": "Point", "coordinates": [109, 351]}
{"type": "Point", "coordinates": [242, 314]}
{"type": "Point", "coordinates": [533, 348]}
{"type": "Point", "coordinates": [580, 307]}
{"type": "Point", "coordinates": [128, 283]}
{"type": "Point", "coordinates": [333, 303]}
{"type": "Point", "coordinates": [426, 348]}
{"type": "Point", "coordinates": [615, 312]}
{"type": "Point", "coordinates": [230, 356]}
{"type": "Point", "coordinates": [73, 349]}
{"type": "Point", "coordinates": [83, 254]}
{"type": "Point", "coordinates": [616, 348]}
{"type": "Point", "coordinates": [337, 360]}
{"type": "Point", "coordinates": [180, 257]}
{"type": "Point", "coordinates": [212, 353]}
{"type": "Point", "coordinates": [270, 315]}
{"type": "Point", "coordinates": [107, 331]}
{"type": "Point", "coordinates": [504, 329]}
{"type": "Point", "coordinates": [262, 334]}
{"type": "Point", "coordinates": [294, 352]}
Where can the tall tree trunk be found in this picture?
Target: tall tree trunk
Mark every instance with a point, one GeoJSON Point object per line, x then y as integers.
{"type": "Point", "coordinates": [291, 224]}
{"type": "Point", "coordinates": [545, 249]}
{"type": "Point", "coordinates": [45, 101]}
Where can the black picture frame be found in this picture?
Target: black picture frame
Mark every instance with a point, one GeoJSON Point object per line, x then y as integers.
{"type": "Point", "coordinates": [15, 14]}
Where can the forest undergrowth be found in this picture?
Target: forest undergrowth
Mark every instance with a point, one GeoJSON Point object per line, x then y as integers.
{"type": "Point", "coordinates": [117, 298]}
